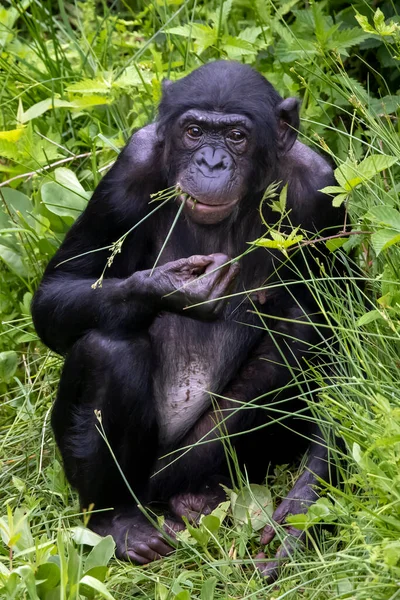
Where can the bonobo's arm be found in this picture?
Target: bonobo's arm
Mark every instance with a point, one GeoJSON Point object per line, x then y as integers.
{"type": "Point", "coordinates": [66, 305]}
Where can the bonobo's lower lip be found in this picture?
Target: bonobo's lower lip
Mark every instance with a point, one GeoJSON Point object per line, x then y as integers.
{"type": "Point", "coordinates": [206, 209]}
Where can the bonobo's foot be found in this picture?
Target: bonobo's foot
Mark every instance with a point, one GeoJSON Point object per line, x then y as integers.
{"type": "Point", "coordinates": [193, 505]}
{"type": "Point", "coordinates": [297, 501]}
{"type": "Point", "coordinates": [135, 537]}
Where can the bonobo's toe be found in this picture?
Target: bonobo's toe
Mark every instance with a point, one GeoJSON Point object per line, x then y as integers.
{"type": "Point", "coordinates": [135, 537]}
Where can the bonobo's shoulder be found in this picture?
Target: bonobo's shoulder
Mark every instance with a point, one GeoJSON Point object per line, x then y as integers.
{"type": "Point", "coordinates": [143, 147]}
{"type": "Point", "coordinates": [304, 162]}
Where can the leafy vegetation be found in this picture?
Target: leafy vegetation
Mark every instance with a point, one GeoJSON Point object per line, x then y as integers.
{"type": "Point", "coordinates": [75, 79]}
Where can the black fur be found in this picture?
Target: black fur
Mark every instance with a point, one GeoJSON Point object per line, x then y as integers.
{"type": "Point", "coordinates": [128, 343]}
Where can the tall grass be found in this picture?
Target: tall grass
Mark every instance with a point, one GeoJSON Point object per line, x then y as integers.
{"type": "Point", "coordinates": [75, 79]}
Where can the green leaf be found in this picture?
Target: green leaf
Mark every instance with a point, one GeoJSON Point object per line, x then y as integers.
{"type": "Point", "coordinates": [8, 364]}
{"type": "Point", "coordinates": [208, 589]}
{"type": "Point", "coordinates": [91, 86]}
{"type": "Point", "coordinates": [364, 24]}
{"type": "Point", "coordinates": [12, 135]}
{"type": "Point", "coordinates": [210, 522]}
{"type": "Point", "coordinates": [339, 199]}
{"type": "Point", "coordinates": [183, 595]}
{"type": "Point", "coordinates": [385, 215]}
{"type": "Point", "coordinates": [375, 163]}
{"type": "Point", "coordinates": [333, 189]}
{"type": "Point", "coordinates": [49, 576]}
{"type": "Point", "coordinates": [65, 196]}
{"type": "Point", "coordinates": [369, 317]}
{"type": "Point", "coordinates": [236, 47]}
{"type": "Point", "coordinates": [254, 504]}
{"type": "Point", "coordinates": [90, 100]}
{"type": "Point", "coordinates": [335, 244]}
{"type": "Point", "coordinates": [101, 553]}
{"type": "Point", "coordinates": [14, 261]}
{"type": "Point", "coordinates": [96, 585]}
{"type": "Point", "coordinates": [17, 203]}
{"type": "Point", "coordinates": [383, 239]}
{"type": "Point", "coordinates": [43, 106]}
{"type": "Point", "coordinates": [82, 535]}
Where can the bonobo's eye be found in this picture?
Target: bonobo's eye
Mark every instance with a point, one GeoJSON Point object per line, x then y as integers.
{"type": "Point", "coordinates": [194, 131]}
{"type": "Point", "coordinates": [235, 135]}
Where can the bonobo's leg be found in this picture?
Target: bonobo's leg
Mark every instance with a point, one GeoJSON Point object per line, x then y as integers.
{"type": "Point", "coordinates": [303, 494]}
{"type": "Point", "coordinates": [200, 502]}
{"type": "Point", "coordinates": [113, 376]}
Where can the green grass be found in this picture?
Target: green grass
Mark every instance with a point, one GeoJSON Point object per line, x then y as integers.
{"type": "Point", "coordinates": [75, 79]}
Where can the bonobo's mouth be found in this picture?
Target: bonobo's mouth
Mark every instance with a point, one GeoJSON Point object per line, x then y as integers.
{"type": "Point", "coordinates": [203, 213]}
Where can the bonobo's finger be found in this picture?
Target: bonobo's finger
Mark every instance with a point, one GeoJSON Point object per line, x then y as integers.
{"type": "Point", "coordinates": [219, 260]}
{"type": "Point", "coordinates": [172, 527]}
{"type": "Point", "coordinates": [160, 546]}
{"type": "Point", "coordinates": [293, 539]}
{"type": "Point", "coordinates": [221, 287]}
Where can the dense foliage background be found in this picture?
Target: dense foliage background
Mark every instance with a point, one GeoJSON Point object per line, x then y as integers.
{"type": "Point", "coordinates": [75, 79]}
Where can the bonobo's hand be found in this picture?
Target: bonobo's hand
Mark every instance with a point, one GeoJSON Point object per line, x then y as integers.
{"type": "Point", "coordinates": [197, 280]}
{"type": "Point", "coordinates": [182, 283]}
{"type": "Point", "coordinates": [297, 501]}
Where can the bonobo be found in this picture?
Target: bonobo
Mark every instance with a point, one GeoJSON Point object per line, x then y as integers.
{"type": "Point", "coordinates": [176, 356]}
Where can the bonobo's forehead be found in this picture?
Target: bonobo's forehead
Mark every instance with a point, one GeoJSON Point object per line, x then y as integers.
{"type": "Point", "coordinates": [214, 119]}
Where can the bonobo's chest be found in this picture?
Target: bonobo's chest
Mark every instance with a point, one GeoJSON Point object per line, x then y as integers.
{"type": "Point", "coordinates": [193, 360]}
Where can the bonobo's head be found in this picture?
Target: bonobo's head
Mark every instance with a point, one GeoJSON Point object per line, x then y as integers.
{"type": "Point", "coordinates": [224, 129]}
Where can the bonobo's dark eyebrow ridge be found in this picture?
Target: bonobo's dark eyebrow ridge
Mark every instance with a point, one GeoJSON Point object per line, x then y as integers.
{"type": "Point", "coordinates": [215, 120]}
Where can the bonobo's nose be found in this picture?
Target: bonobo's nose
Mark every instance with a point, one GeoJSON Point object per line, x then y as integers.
{"type": "Point", "coordinates": [212, 159]}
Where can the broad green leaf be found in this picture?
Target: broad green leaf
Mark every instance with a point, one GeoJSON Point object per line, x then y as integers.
{"type": "Point", "coordinates": [364, 24]}
{"type": "Point", "coordinates": [345, 173]}
{"type": "Point", "coordinates": [369, 317]}
{"type": "Point", "coordinates": [385, 105]}
{"type": "Point", "coordinates": [208, 589]}
{"type": "Point", "coordinates": [12, 135]}
{"type": "Point", "coordinates": [82, 535]}
{"type": "Point", "coordinates": [385, 215]}
{"type": "Point", "coordinates": [383, 239]}
{"type": "Point", "coordinates": [64, 197]}
{"type": "Point", "coordinates": [8, 364]}
{"type": "Point", "coordinates": [210, 522]}
{"type": "Point", "coordinates": [279, 243]}
{"type": "Point", "coordinates": [375, 163]}
{"type": "Point", "coordinates": [41, 107]}
{"type": "Point", "coordinates": [91, 100]}
{"type": "Point", "coordinates": [339, 199]}
{"type": "Point", "coordinates": [250, 34]}
{"type": "Point", "coordinates": [97, 586]}
{"type": "Point", "coordinates": [183, 595]}
{"type": "Point", "coordinates": [333, 189]}
{"type": "Point", "coordinates": [335, 244]}
{"type": "Point", "coordinates": [49, 575]}
{"type": "Point", "coordinates": [297, 49]}
{"type": "Point", "coordinates": [91, 86]}
{"type": "Point", "coordinates": [68, 179]}
{"type": "Point", "coordinates": [253, 504]}
{"type": "Point", "coordinates": [182, 30]}
{"type": "Point", "coordinates": [14, 261]}
{"type": "Point", "coordinates": [16, 202]}
{"type": "Point", "coordinates": [101, 553]}
{"type": "Point", "coordinates": [235, 47]}
{"type": "Point", "coordinates": [27, 575]}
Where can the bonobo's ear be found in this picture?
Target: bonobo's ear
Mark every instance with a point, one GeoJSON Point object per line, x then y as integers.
{"type": "Point", "coordinates": [288, 124]}
{"type": "Point", "coordinates": [165, 84]}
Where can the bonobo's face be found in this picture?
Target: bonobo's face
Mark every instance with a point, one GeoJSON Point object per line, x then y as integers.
{"type": "Point", "coordinates": [214, 158]}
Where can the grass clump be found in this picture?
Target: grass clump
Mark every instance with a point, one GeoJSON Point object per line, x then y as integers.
{"type": "Point", "coordinates": [75, 79]}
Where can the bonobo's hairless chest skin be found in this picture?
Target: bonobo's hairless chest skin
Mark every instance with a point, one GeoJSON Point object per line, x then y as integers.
{"type": "Point", "coordinates": [135, 350]}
